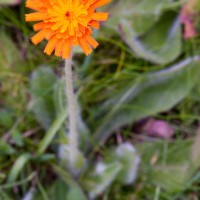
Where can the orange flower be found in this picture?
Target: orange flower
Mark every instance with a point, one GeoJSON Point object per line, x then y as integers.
{"type": "Point", "coordinates": [66, 23]}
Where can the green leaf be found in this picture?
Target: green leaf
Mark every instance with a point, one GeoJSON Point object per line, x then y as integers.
{"type": "Point", "coordinates": [129, 159]}
{"type": "Point", "coordinates": [165, 152]}
{"type": "Point", "coordinates": [61, 191]}
{"type": "Point", "coordinates": [18, 183]}
{"type": "Point", "coordinates": [7, 50]}
{"type": "Point", "coordinates": [161, 45]}
{"type": "Point", "coordinates": [156, 6]}
{"type": "Point", "coordinates": [195, 150]}
{"type": "Point", "coordinates": [4, 195]}
{"type": "Point", "coordinates": [65, 175]}
{"type": "Point", "coordinates": [58, 190]}
{"type": "Point", "coordinates": [80, 160]}
{"type": "Point", "coordinates": [98, 180]}
{"type": "Point", "coordinates": [6, 118]}
{"type": "Point", "coordinates": [18, 167]}
{"type": "Point", "coordinates": [49, 136]}
{"type": "Point", "coordinates": [126, 10]}
{"type": "Point", "coordinates": [42, 84]}
{"type": "Point", "coordinates": [6, 149]}
{"type": "Point", "coordinates": [140, 14]}
{"type": "Point", "coordinates": [17, 137]}
{"type": "Point", "coordinates": [148, 95]}
{"type": "Point", "coordinates": [172, 168]}
{"type": "Point", "coordinates": [59, 95]}
{"type": "Point", "coordinates": [75, 192]}
{"type": "Point", "coordinates": [171, 178]}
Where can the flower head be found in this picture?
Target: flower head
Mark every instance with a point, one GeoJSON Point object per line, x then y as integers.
{"type": "Point", "coordinates": [66, 23]}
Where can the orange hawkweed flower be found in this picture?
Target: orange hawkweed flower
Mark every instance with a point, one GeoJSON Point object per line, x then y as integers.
{"type": "Point", "coordinates": [66, 23]}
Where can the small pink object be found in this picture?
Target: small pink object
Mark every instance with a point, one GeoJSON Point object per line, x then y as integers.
{"type": "Point", "coordinates": [158, 128]}
{"type": "Point", "coordinates": [189, 31]}
{"type": "Point", "coordinates": [187, 17]}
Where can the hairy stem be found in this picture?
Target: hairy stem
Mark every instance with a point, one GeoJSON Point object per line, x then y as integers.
{"type": "Point", "coordinates": [71, 108]}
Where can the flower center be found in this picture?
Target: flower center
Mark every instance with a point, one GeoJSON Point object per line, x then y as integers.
{"type": "Point", "coordinates": [71, 15]}
{"type": "Point", "coordinates": [67, 14]}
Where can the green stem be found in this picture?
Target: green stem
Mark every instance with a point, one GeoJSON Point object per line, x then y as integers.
{"type": "Point", "coordinates": [71, 105]}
